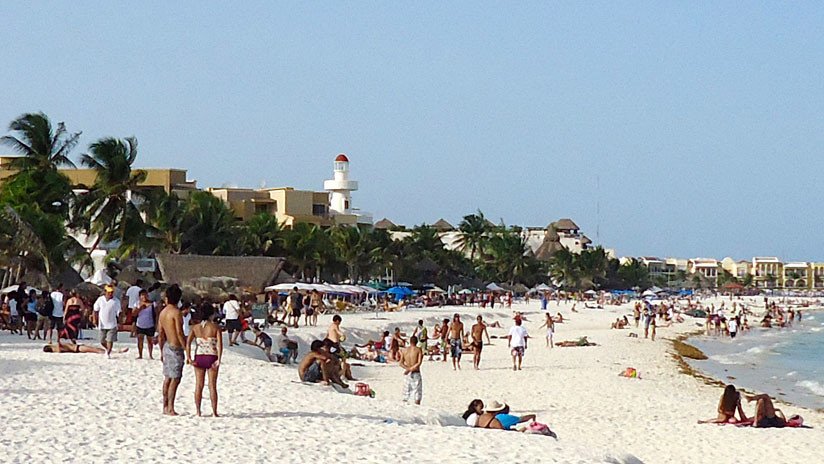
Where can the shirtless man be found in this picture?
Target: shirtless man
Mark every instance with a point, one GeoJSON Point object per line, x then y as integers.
{"type": "Point", "coordinates": [171, 341]}
{"type": "Point", "coordinates": [335, 335]}
{"type": "Point", "coordinates": [445, 338]}
{"type": "Point", "coordinates": [411, 361]}
{"type": "Point", "coordinates": [456, 336]}
{"type": "Point", "coordinates": [317, 366]}
{"type": "Point", "coordinates": [69, 347]}
{"type": "Point", "coordinates": [478, 331]}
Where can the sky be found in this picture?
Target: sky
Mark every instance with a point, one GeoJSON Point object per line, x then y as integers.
{"type": "Point", "coordinates": [662, 128]}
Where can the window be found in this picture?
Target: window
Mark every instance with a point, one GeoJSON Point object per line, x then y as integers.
{"type": "Point", "coordinates": [346, 204]}
{"type": "Point", "coordinates": [261, 208]}
{"type": "Point", "coordinates": [318, 210]}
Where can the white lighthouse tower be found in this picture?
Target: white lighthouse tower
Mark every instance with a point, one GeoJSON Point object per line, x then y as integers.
{"type": "Point", "coordinates": [340, 187]}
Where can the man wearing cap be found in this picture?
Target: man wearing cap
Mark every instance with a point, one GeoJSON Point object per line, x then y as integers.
{"type": "Point", "coordinates": [106, 310]}
{"type": "Point", "coordinates": [517, 342]}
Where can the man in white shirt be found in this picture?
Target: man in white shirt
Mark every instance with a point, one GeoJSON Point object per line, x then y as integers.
{"type": "Point", "coordinates": [107, 309]}
{"type": "Point", "coordinates": [133, 303]}
{"type": "Point", "coordinates": [231, 311]}
{"type": "Point", "coordinates": [517, 342]}
{"type": "Point", "coordinates": [57, 313]}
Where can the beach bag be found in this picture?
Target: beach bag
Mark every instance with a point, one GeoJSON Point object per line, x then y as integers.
{"type": "Point", "coordinates": [630, 373]}
{"type": "Point", "coordinates": [362, 389]}
{"type": "Point", "coordinates": [538, 428]}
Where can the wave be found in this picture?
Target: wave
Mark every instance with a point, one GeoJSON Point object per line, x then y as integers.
{"type": "Point", "coordinates": [812, 386]}
{"type": "Point", "coordinates": [726, 359]}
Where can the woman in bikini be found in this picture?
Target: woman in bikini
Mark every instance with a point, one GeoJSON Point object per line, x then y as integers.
{"type": "Point", "coordinates": [730, 402]}
{"type": "Point", "coordinates": [209, 351]}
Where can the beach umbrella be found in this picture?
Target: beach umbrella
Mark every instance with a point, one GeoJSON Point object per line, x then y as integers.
{"type": "Point", "coordinates": [13, 288]}
{"type": "Point", "coordinates": [285, 287]}
{"type": "Point", "coordinates": [465, 291]}
{"type": "Point", "coordinates": [648, 293]}
{"type": "Point", "coordinates": [495, 287]}
{"type": "Point", "coordinates": [400, 291]}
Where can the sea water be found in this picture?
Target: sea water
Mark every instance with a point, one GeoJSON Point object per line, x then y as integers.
{"type": "Point", "coordinates": [786, 363]}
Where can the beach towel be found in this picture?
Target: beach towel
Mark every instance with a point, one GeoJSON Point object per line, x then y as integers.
{"type": "Point", "coordinates": [793, 422]}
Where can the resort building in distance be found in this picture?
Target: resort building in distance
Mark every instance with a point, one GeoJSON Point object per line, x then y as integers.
{"type": "Point", "coordinates": [290, 206]}
{"type": "Point", "coordinates": [170, 180]}
{"type": "Point", "coordinates": [765, 272]}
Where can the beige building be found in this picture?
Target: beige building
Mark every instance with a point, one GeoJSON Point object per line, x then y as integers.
{"type": "Point", "coordinates": [797, 276]}
{"type": "Point", "coordinates": [290, 206]}
{"type": "Point", "coordinates": [768, 272]}
{"type": "Point", "coordinates": [706, 267]}
{"type": "Point", "coordinates": [170, 180]}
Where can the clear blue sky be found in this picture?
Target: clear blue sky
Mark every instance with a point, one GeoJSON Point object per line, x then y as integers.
{"type": "Point", "coordinates": [697, 127]}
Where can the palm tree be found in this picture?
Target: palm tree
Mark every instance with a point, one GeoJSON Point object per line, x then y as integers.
{"type": "Point", "coordinates": [109, 210]}
{"type": "Point", "coordinates": [42, 148]}
{"type": "Point", "coordinates": [473, 230]}
{"type": "Point", "coordinates": [165, 213]}
{"type": "Point", "coordinates": [564, 269]}
{"type": "Point", "coordinates": [507, 253]}
{"type": "Point", "coordinates": [207, 226]}
{"type": "Point", "coordinates": [304, 245]}
{"type": "Point", "coordinates": [354, 247]}
{"type": "Point", "coordinates": [263, 235]}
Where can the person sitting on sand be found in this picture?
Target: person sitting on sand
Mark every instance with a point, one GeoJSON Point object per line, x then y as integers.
{"type": "Point", "coordinates": [288, 348]}
{"type": "Point", "coordinates": [69, 347]}
{"type": "Point", "coordinates": [727, 406]}
{"type": "Point", "coordinates": [315, 367]}
{"type": "Point", "coordinates": [559, 318]}
{"type": "Point", "coordinates": [766, 415]}
{"type": "Point", "coordinates": [473, 412]}
{"type": "Point", "coordinates": [620, 323]}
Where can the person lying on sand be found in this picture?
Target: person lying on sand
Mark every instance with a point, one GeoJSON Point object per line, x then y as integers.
{"type": "Point", "coordinates": [69, 347]}
{"type": "Point", "coordinates": [727, 406]}
{"type": "Point", "coordinates": [580, 342]}
{"type": "Point", "coordinates": [496, 416]}
{"type": "Point", "coordinates": [559, 318]}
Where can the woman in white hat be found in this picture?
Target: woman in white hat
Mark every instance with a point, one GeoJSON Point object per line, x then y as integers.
{"type": "Point", "coordinates": [496, 416]}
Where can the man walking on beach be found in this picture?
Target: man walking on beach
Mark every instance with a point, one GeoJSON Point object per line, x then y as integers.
{"type": "Point", "coordinates": [107, 309]}
{"type": "Point", "coordinates": [649, 320]}
{"type": "Point", "coordinates": [170, 333]}
{"type": "Point", "coordinates": [478, 331]}
{"type": "Point", "coordinates": [456, 335]}
{"type": "Point", "coordinates": [335, 335]}
{"type": "Point", "coordinates": [411, 361]}
{"type": "Point", "coordinates": [517, 342]}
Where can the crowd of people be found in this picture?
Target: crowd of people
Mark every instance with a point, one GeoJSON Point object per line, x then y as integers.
{"type": "Point", "coordinates": [186, 334]}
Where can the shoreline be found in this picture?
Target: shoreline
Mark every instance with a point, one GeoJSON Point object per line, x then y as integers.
{"type": "Point", "coordinates": [689, 366]}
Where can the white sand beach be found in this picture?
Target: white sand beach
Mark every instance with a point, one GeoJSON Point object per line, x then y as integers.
{"type": "Point", "coordinates": [86, 408]}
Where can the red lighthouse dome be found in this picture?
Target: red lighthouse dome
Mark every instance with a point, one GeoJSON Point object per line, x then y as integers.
{"type": "Point", "coordinates": [342, 158]}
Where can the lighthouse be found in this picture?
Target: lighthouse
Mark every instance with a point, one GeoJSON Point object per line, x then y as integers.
{"type": "Point", "coordinates": [340, 187]}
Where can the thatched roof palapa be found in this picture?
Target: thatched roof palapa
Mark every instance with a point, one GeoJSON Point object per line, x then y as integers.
{"type": "Point", "coordinates": [385, 224]}
{"type": "Point", "coordinates": [565, 224]}
{"type": "Point", "coordinates": [255, 272]}
{"type": "Point", "coordinates": [443, 226]}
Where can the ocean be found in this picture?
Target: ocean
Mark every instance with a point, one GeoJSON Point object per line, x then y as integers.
{"type": "Point", "coordinates": [784, 363]}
